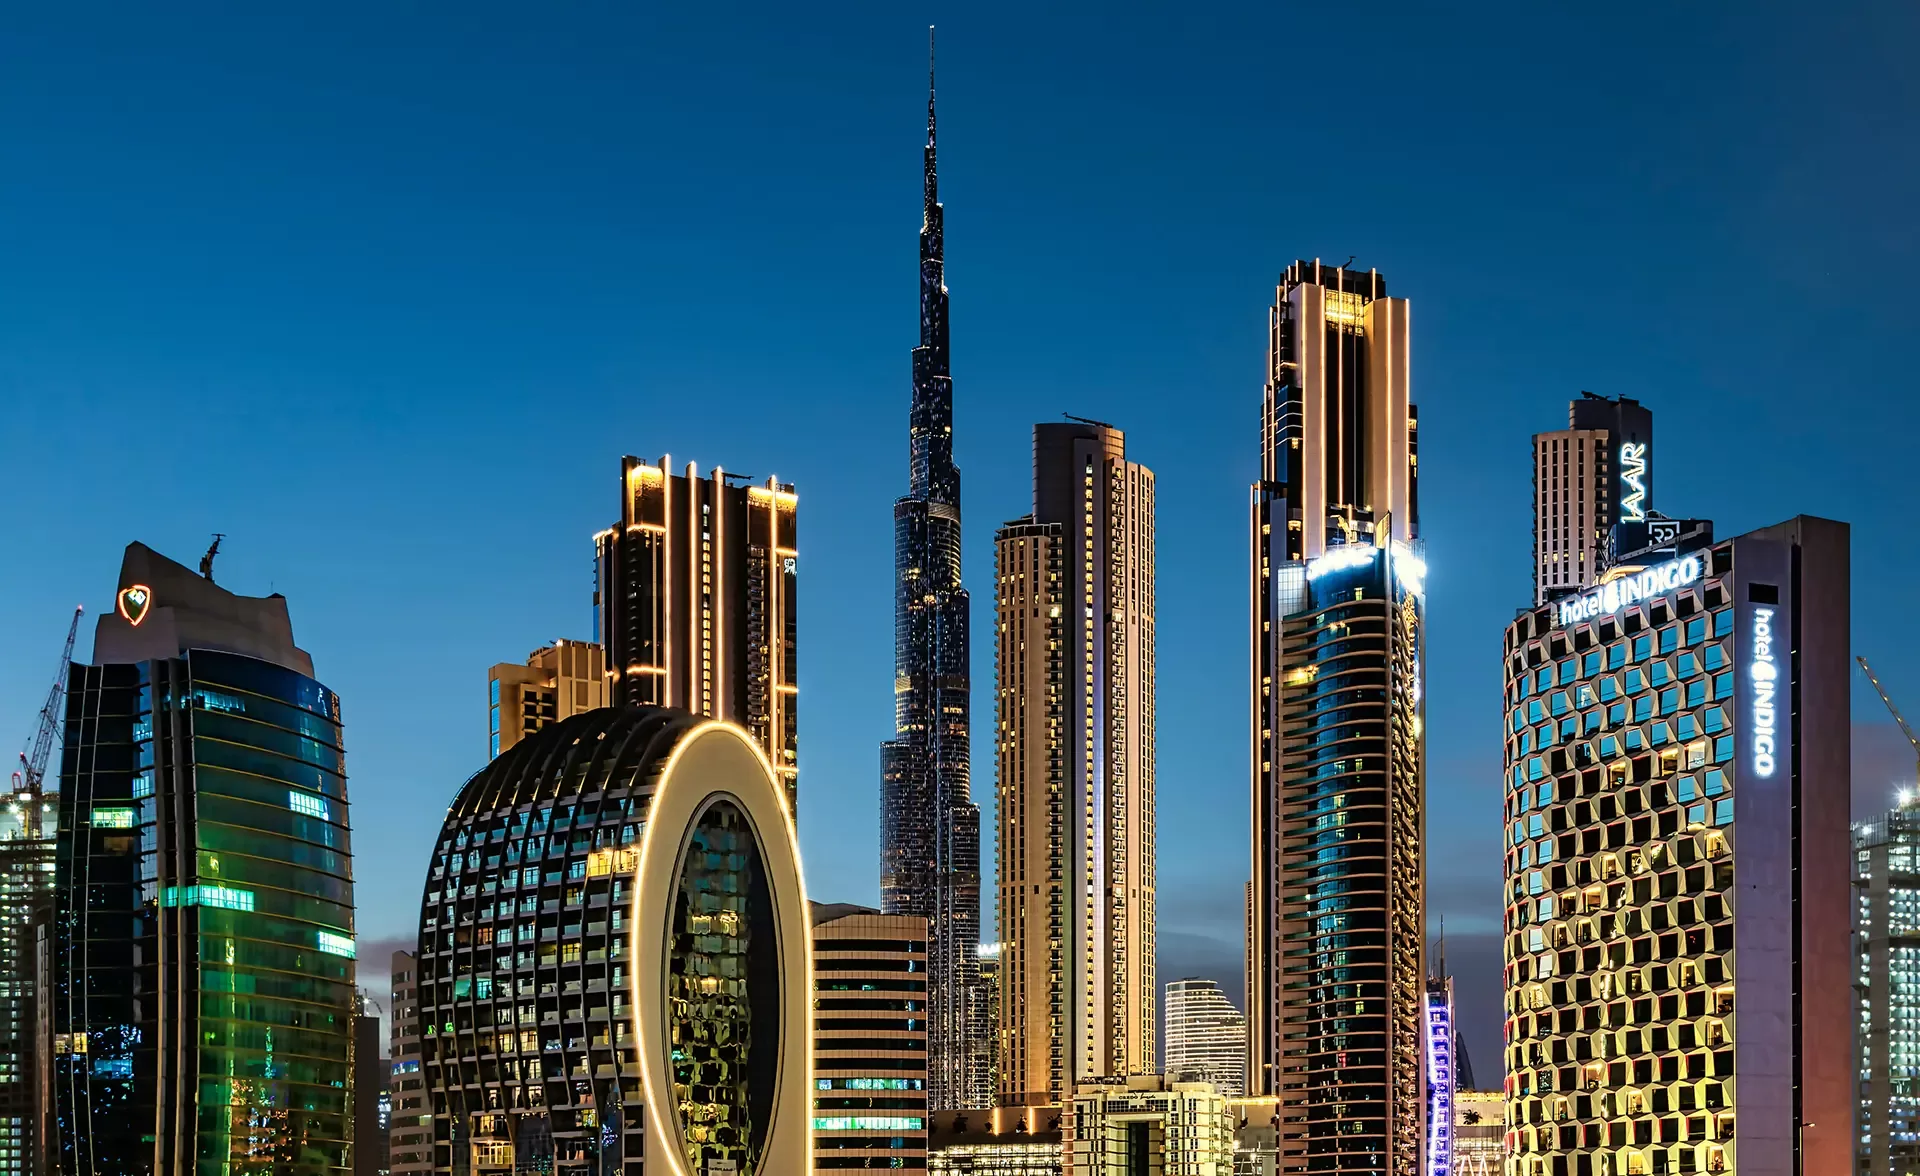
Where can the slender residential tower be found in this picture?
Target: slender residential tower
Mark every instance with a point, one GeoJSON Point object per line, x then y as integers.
{"type": "Point", "coordinates": [1075, 739]}
{"type": "Point", "coordinates": [1336, 913]}
{"type": "Point", "coordinates": [930, 828]}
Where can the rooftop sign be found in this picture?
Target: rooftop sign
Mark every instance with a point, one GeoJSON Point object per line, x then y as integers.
{"type": "Point", "coordinates": [1615, 595]}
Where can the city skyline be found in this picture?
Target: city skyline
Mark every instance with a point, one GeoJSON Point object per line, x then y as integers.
{"type": "Point", "coordinates": [1494, 366]}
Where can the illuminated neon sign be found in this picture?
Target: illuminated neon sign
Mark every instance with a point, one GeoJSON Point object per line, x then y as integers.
{"type": "Point", "coordinates": [1615, 595]}
{"type": "Point", "coordinates": [134, 601]}
{"type": "Point", "coordinates": [1633, 471]}
{"type": "Point", "coordinates": [1439, 1084]}
{"type": "Point", "coordinates": [1409, 569]}
{"type": "Point", "coordinates": [1765, 672]}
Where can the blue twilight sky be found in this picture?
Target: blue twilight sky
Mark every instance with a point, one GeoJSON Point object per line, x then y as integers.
{"type": "Point", "coordinates": [384, 291]}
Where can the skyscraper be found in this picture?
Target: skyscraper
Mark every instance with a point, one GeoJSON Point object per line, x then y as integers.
{"type": "Point", "coordinates": [929, 825]}
{"type": "Point", "coordinates": [204, 1001]}
{"type": "Point", "coordinates": [28, 823]}
{"type": "Point", "coordinates": [1587, 477]}
{"type": "Point", "coordinates": [556, 682]}
{"type": "Point", "coordinates": [1206, 1037]}
{"type": "Point", "coordinates": [1886, 888]}
{"type": "Point", "coordinates": [695, 599]}
{"type": "Point", "coordinates": [1336, 918]}
{"type": "Point", "coordinates": [1074, 691]}
{"type": "Point", "coordinates": [1678, 975]}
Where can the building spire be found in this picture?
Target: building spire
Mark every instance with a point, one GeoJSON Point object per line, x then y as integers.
{"type": "Point", "coordinates": [929, 85]}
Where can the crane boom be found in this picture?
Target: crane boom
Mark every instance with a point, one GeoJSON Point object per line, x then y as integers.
{"type": "Point", "coordinates": [33, 764]}
{"type": "Point", "coordinates": [1891, 709]}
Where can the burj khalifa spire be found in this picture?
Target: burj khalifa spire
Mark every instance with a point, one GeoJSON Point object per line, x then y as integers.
{"type": "Point", "coordinates": [930, 827]}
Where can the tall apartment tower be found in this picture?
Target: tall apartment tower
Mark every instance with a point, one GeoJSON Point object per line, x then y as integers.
{"type": "Point", "coordinates": [203, 923]}
{"type": "Point", "coordinates": [1587, 477]}
{"type": "Point", "coordinates": [1886, 889]}
{"type": "Point", "coordinates": [695, 601]}
{"type": "Point", "coordinates": [371, 1074]}
{"type": "Point", "coordinates": [1075, 740]}
{"type": "Point", "coordinates": [556, 682]}
{"type": "Point", "coordinates": [1206, 1037]}
{"type": "Point", "coordinates": [929, 825]}
{"type": "Point", "coordinates": [1677, 866]}
{"type": "Point", "coordinates": [1336, 913]}
{"type": "Point", "coordinates": [869, 1039]}
{"type": "Point", "coordinates": [28, 824]}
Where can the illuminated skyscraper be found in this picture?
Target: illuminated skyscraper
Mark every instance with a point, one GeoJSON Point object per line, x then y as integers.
{"type": "Point", "coordinates": [1678, 975]}
{"type": "Point", "coordinates": [1206, 1037]}
{"type": "Point", "coordinates": [203, 927]}
{"type": "Point", "coordinates": [1886, 889]}
{"type": "Point", "coordinates": [695, 600]}
{"type": "Point", "coordinates": [28, 822]}
{"type": "Point", "coordinates": [1336, 914]}
{"type": "Point", "coordinates": [929, 825]}
{"type": "Point", "coordinates": [1596, 472]}
{"type": "Point", "coordinates": [1075, 697]}
{"type": "Point", "coordinates": [556, 682]}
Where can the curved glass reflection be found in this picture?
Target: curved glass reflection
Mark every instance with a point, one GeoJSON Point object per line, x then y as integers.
{"type": "Point", "coordinates": [722, 992]}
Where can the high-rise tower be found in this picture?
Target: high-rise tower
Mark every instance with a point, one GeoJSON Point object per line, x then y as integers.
{"type": "Point", "coordinates": [1336, 913]}
{"type": "Point", "coordinates": [1075, 738]}
{"type": "Point", "coordinates": [695, 596]}
{"type": "Point", "coordinates": [1679, 989]}
{"type": "Point", "coordinates": [203, 923]}
{"type": "Point", "coordinates": [930, 827]}
{"type": "Point", "coordinates": [1587, 478]}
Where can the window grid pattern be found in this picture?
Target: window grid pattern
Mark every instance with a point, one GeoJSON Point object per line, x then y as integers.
{"type": "Point", "coordinates": [1619, 891]}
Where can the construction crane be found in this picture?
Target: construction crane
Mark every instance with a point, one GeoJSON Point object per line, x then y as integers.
{"type": "Point", "coordinates": [33, 763]}
{"type": "Point", "coordinates": [1891, 709]}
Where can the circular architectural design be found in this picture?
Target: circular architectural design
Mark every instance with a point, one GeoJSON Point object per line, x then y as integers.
{"type": "Point", "coordinates": [721, 974]}
{"type": "Point", "coordinates": [613, 971]}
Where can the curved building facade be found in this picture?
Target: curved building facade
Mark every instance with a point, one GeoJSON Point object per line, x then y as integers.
{"type": "Point", "coordinates": [203, 1015]}
{"type": "Point", "coordinates": [613, 968]}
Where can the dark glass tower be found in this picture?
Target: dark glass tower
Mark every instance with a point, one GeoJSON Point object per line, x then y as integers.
{"type": "Point", "coordinates": [1336, 920]}
{"type": "Point", "coordinates": [203, 999]}
{"type": "Point", "coordinates": [930, 828]}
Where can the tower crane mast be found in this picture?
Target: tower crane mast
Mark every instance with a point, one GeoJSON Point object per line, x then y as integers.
{"type": "Point", "coordinates": [32, 773]}
{"type": "Point", "coordinates": [1891, 709]}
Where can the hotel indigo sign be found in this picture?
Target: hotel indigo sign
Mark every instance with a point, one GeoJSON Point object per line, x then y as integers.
{"type": "Point", "coordinates": [1615, 595]}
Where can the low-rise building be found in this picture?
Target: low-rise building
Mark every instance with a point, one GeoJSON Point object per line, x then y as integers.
{"type": "Point", "coordinates": [1144, 1123]}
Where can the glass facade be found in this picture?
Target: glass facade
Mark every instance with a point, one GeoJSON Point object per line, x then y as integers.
{"type": "Point", "coordinates": [1348, 818]}
{"type": "Point", "coordinates": [205, 909]}
{"type": "Point", "coordinates": [929, 825]}
{"type": "Point", "coordinates": [1887, 928]}
{"type": "Point", "coordinates": [28, 823]}
{"type": "Point", "coordinates": [1620, 756]}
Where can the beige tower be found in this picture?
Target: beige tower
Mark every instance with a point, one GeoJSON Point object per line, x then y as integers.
{"type": "Point", "coordinates": [695, 589]}
{"type": "Point", "coordinates": [557, 682]}
{"type": "Point", "coordinates": [1075, 749]}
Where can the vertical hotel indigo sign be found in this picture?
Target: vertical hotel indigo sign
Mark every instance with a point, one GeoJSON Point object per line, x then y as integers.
{"type": "Point", "coordinates": [1763, 671]}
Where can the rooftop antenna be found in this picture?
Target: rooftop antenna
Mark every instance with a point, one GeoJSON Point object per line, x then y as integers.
{"type": "Point", "coordinates": [206, 561]}
{"type": "Point", "coordinates": [1086, 420]}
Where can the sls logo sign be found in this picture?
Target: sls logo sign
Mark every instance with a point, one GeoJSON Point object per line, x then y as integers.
{"type": "Point", "coordinates": [1765, 672]}
{"type": "Point", "coordinates": [1633, 472]}
{"type": "Point", "coordinates": [1615, 595]}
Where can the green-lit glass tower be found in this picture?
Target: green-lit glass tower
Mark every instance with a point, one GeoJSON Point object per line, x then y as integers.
{"type": "Point", "coordinates": [203, 995]}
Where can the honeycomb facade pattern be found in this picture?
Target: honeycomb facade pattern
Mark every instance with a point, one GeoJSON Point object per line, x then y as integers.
{"type": "Point", "coordinates": [1638, 727]}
